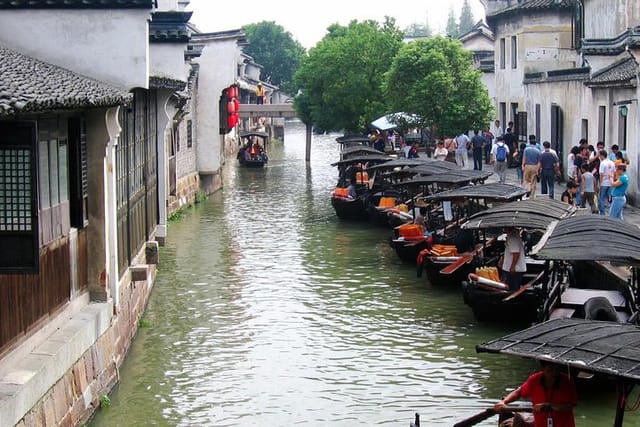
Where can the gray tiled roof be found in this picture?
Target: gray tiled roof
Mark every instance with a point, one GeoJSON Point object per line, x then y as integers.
{"type": "Point", "coordinates": [157, 82]}
{"type": "Point", "coordinates": [620, 72]}
{"type": "Point", "coordinates": [533, 5]}
{"type": "Point", "coordinates": [28, 85]}
{"type": "Point", "coordinates": [169, 27]}
{"type": "Point", "coordinates": [77, 4]}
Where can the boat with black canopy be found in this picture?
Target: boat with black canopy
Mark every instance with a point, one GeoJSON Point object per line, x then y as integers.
{"type": "Point", "coordinates": [355, 145]}
{"type": "Point", "coordinates": [391, 198]}
{"type": "Point", "coordinates": [353, 172]}
{"type": "Point", "coordinates": [458, 255]}
{"type": "Point", "coordinates": [594, 272]}
{"type": "Point", "coordinates": [489, 298]}
{"type": "Point", "coordinates": [409, 241]}
{"type": "Point", "coordinates": [253, 149]}
{"type": "Point", "coordinates": [588, 348]}
{"type": "Point", "coordinates": [409, 181]}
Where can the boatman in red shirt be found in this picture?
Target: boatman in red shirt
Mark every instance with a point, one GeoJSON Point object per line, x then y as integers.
{"type": "Point", "coordinates": [552, 394]}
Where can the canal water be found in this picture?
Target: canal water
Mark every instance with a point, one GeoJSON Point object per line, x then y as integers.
{"type": "Point", "coordinates": [268, 310]}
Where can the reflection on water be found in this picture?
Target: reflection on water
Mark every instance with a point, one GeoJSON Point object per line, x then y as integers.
{"type": "Point", "coordinates": [268, 310]}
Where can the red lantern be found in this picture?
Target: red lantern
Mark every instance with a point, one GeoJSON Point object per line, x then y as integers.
{"type": "Point", "coordinates": [230, 122]}
{"type": "Point", "coordinates": [231, 107]}
{"type": "Point", "coordinates": [236, 104]}
{"type": "Point", "coordinates": [236, 118]}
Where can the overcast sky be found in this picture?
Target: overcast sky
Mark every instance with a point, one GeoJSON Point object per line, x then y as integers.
{"type": "Point", "coordinates": [307, 20]}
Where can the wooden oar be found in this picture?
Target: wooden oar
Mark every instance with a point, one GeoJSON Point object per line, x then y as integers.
{"type": "Point", "coordinates": [524, 288]}
{"type": "Point", "coordinates": [464, 259]}
{"type": "Point", "coordinates": [488, 413]}
{"type": "Point", "coordinates": [517, 293]}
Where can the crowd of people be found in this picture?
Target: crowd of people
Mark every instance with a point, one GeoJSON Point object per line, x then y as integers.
{"type": "Point", "coordinates": [594, 176]}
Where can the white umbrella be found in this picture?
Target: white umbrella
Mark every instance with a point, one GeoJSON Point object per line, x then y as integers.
{"type": "Point", "coordinates": [393, 120]}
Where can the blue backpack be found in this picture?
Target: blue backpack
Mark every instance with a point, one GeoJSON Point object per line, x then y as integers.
{"type": "Point", "coordinates": [501, 153]}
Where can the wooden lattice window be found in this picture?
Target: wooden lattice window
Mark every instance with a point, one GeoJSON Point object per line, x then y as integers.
{"type": "Point", "coordinates": [18, 219]}
{"type": "Point", "coordinates": [15, 190]}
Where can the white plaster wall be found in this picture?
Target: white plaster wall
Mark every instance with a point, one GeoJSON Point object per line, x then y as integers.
{"type": "Point", "coordinates": [606, 19]}
{"type": "Point", "coordinates": [186, 161]}
{"type": "Point", "coordinates": [217, 71]}
{"type": "Point", "coordinates": [167, 60]}
{"type": "Point", "coordinates": [252, 71]}
{"type": "Point", "coordinates": [108, 45]}
{"type": "Point", "coordinates": [489, 81]}
{"type": "Point", "coordinates": [478, 42]}
{"type": "Point", "coordinates": [543, 43]}
{"type": "Point", "coordinates": [171, 4]}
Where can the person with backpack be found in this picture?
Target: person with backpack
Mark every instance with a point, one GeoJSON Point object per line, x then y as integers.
{"type": "Point", "coordinates": [499, 157]}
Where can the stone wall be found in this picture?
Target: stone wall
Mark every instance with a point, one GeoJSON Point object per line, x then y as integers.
{"type": "Point", "coordinates": [186, 190]}
{"type": "Point", "coordinates": [76, 395]}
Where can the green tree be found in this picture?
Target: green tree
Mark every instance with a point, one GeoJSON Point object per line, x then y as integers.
{"type": "Point", "coordinates": [435, 79]}
{"type": "Point", "coordinates": [418, 30]}
{"type": "Point", "coordinates": [466, 19]}
{"type": "Point", "coordinates": [341, 78]}
{"type": "Point", "coordinates": [452, 30]}
{"type": "Point", "coordinates": [274, 48]}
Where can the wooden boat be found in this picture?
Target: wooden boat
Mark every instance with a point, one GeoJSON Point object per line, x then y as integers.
{"type": "Point", "coordinates": [353, 169]}
{"type": "Point", "coordinates": [435, 220]}
{"type": "Point", "coordinates": [580, 286]}
{"type": "Point", "coordinates": [489, 301]}
{"type": "Point", "coordinates": [253, 150]}
{"type": "Point", "coordinates": [587, 348]}
{"type": "Point", "coordinates": [392, 199]}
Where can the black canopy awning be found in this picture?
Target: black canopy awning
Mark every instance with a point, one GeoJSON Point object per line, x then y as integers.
{"type": "Point", "coordinates": [245, 134]}
{"type": "Point", "coordinates": [590, 238]}
{"type": "Point", "coordinates": [371, 158]}
{"type": "Point", "coordinates": [359, 150]}
{"type": "Point", "coordinates": [530, 214]}
{"type": "Point", "coordinates": [399, 163]}
{"type": "Point", "coordinates": [592, 346]}
{"type": "Point", "coordinates": [444, 177]}
{"type": "Point", "coordinates": [494, 191]}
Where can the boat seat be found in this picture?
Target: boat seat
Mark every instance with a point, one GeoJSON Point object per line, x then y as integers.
{"type": "Point", "coordinates": [561, 313]}
{"type": "Point", "coordinates": [577, 297]}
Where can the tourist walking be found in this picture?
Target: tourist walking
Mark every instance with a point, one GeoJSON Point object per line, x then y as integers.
{"type": "Point", "coordinates": [477, 144]}
{"type": "Point", "coordinates": [549, 168]}
{"type": "Point", "coordinates": [606, 171]}
{"type": "Point", "coordinates": [499, 157]}
{"type": "Point", "coordinates": [588, 189]}
{"type": "Point", "coordinates": [488, 143]}
{"type": "Point", "coordinates": [618, 193]}
{"type": "Point", "coordinates": [462, 150]}
{"type": "Point", "coordinates": [530, 167]}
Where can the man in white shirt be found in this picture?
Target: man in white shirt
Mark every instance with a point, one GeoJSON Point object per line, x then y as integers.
{"type": "Point", "coordinates": [513, 263]}
{"type": "Point", "coordinates": [462, 149]}
{"type": "Point", "coordinates": [606, 171]}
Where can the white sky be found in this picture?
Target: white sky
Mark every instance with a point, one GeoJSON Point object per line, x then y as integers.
{"type": "Point", "coordinates": [307, 20]}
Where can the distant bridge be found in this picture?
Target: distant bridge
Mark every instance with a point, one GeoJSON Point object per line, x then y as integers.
{"type": "Point", "coordinates": [267, 110]}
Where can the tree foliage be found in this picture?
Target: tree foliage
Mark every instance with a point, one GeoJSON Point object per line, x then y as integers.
{"type": "Point", "coordinates": [452, 30]}
{"type": "Point", "coordinates": [466, 19]}
{"type": "Point", "coordinates": [417, 29]}
{"type": "Point", "coordinates": [341, 78]}
{"type": "Point", "coordinates": [275, 49]}
{"type": "Point", "coordinates": [435, 79]}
